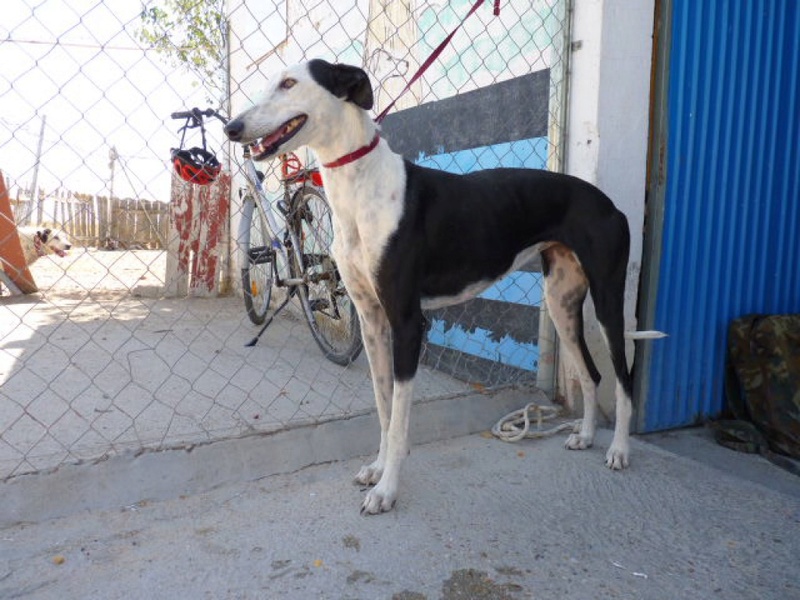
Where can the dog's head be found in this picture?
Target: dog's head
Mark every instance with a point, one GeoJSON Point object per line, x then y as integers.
{"type": "Point", "coordinates": [299, 107]}
{"type": "Point", "coordinates": [49, 241]}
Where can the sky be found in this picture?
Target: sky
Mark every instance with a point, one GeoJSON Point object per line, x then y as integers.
{"type": "Point", "coordinates": [78, 64]}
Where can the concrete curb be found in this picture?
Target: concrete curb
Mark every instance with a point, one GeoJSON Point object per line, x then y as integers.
{"type": "Point", "coordinates": [127, 479]}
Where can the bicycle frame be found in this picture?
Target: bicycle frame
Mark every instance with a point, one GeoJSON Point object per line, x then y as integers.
{"type": "Point", "coordinates": [286, 228]}
{"type": "Point", "coordinates": [282, 240]}
{"type": "Point", "coordinates": [257, 200]}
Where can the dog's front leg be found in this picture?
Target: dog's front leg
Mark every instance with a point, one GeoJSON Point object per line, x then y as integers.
{"type": "Point", "coordinates": [377, 342]}
{"type": "Point", "coordinates": [406, 344]}
{"type": "Point", "coordinates": [383, 496]}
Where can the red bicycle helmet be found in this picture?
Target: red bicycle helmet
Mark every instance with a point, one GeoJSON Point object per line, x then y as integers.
{"type": "Point", "coordinates": [195, 165]}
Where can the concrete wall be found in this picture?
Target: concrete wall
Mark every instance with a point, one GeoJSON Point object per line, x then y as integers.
{"type": "Point", "coordinates": [607, 131]}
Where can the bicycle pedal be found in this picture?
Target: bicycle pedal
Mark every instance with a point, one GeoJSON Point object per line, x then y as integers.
{"type": "Point", "coordinates": [318, 304]}
{"type": "Point", "coordinates": [259, 255]}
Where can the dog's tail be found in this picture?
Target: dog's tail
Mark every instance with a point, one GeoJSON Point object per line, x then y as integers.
{"type": "Point", "coordinates": [650, 334]}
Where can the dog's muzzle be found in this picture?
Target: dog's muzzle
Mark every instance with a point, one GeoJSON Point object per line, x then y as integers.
{"type": "Point", "coordinates": [269, 144]}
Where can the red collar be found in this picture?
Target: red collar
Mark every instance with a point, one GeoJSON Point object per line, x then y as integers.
{"type": "Point", "coordinates": [355, 155]}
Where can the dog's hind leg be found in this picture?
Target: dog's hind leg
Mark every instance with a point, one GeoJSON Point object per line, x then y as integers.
{"type": "Point", "coordinates": [376, 334]}
{"type": "Point", "coordinates": [565, 288]}
{"type": "Point", "coordinates": [609, 306]}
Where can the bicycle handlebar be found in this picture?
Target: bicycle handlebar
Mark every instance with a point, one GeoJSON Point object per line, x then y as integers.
{"type": "Point", "coordinates": [198, 114]}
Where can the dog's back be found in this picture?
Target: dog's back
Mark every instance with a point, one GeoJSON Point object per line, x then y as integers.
{"type": "Point", "coordinates": [502, 212]}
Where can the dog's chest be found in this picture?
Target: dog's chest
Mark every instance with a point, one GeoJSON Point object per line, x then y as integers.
{"type": "Point", "coordinates": [367, 211]}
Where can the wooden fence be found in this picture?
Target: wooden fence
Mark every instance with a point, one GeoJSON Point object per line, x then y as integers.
{"type": "Point", "coordinates": [91, 220]}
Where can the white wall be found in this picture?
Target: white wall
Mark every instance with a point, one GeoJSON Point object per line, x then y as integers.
{"type": "Point", "coordinates": [607, 132]}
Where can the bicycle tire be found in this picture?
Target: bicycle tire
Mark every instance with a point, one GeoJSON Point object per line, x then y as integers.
{"type": "Point", "coordinates": [327, 307]}
{"type": "Point", "coordinates": [257, 267]}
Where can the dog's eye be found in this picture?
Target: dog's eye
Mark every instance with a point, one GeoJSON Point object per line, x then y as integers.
{"type": "Point", "coordinates": [287, 83]}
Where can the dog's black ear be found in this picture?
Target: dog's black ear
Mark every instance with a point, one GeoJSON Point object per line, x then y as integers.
{"type": "Point", "coordinates": [43, 235]}
{"type": "Point", "coordinates": [343, 81]}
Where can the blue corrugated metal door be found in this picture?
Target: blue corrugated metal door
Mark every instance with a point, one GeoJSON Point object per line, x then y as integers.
{"type": "Point", "coordinates": [730, 243]}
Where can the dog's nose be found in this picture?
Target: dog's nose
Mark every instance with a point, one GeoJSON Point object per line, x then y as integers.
{"type": "Point", "coordinates": [234, 130]}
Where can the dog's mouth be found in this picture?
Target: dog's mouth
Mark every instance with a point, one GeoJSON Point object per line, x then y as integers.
{"type": "Point", "coordinates": [269, 144]}
{"type": "Point", "coordinates": [60, 252]}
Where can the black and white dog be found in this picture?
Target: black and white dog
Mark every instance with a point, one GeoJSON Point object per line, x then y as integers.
{"type": "Point", "coordinates": [37, 243]}
{"type": "Point", "coordinates": [408, 238]}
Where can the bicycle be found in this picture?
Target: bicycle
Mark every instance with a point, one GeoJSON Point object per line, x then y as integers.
{"type": "Point", "coordinates": [295, 256]}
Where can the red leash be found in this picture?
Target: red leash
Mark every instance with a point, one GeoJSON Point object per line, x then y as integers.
{"type": "Point", "coordinates": [434, 55]}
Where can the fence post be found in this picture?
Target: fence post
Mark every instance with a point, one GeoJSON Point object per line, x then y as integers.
{"type": "Point", "coordinates": [102, 211]}
{"type": "Point", "coordinates": [70, 206]}
{"type": "Point", "coordinates": [84, 219]}
{"type": "Point", "coordinates": [181, 225]}
{"type": "Point", "coordinates": [198, 230]}
{"type": "Point", "coordinates": [215, 202]}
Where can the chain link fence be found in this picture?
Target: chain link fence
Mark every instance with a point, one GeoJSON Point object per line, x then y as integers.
{"type": "Point", "coordinates": [135, 339]}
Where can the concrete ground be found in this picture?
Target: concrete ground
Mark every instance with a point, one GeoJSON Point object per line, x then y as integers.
{"type": "Point", "coordinates": [277, 515]}
{"type": "Point", "coordinates": [477, 519]}
{"type": "Point", "coordinates": [89, 369]}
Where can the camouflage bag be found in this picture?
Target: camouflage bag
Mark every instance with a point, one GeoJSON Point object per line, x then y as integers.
{"type": "Point", "coordinates": [763, 384]}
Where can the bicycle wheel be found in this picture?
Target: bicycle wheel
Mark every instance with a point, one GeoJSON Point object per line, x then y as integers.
{"type": "Point", "coordinates": [330, 312]}
{"type": "Point", "coordinates": [257, 263]}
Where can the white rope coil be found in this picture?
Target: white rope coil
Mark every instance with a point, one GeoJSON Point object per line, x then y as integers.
{"type": "Point", "coordinates": [517, 425]}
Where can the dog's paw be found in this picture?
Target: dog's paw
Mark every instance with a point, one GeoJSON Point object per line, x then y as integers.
{"type": "Point", "coordinates": [578, 441]}
{"type": "Point", "coordinates": [617, 457]}
{"type": "Point", "coordinates": [369, 474]}
{"type": "Point", "coordinates": [378, 500]}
